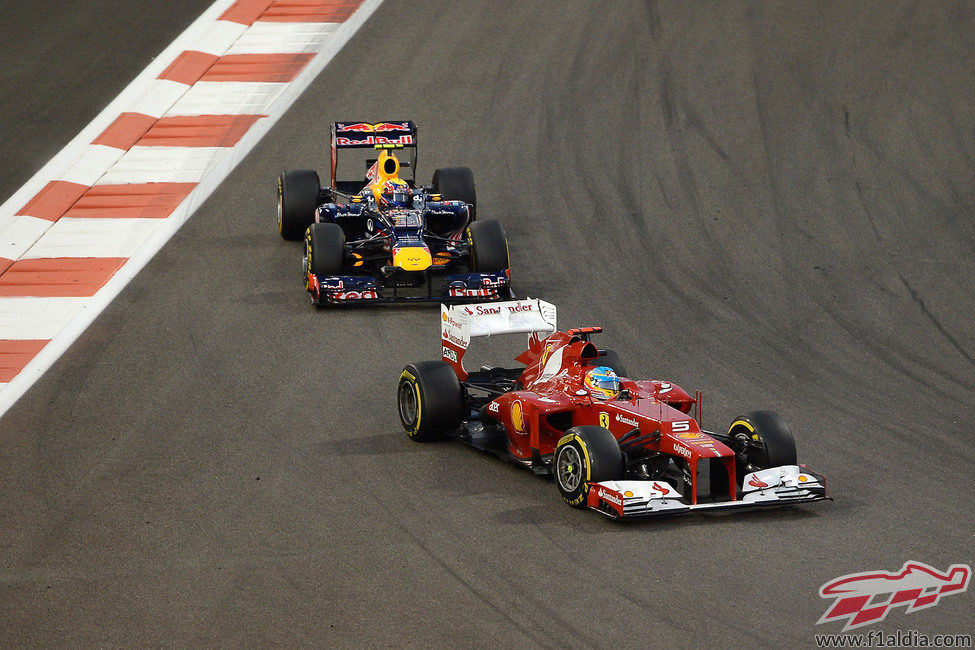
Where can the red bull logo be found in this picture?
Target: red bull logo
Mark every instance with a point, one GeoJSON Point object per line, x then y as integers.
{"type": "Point", "coordinates": [366, 127]}
{"type": "Point", "coordinates": [359, 127]}
{"type": "Point", "coordinates": [866, 598]}
{"type": "Point", "coordinates": [461, 292]}
{"type": "Point", "coordinates": [342, 296]}
{"type": "Point", "coordinates": [374, 141]}
{"type": "Point", "coordinates": [392, 126]}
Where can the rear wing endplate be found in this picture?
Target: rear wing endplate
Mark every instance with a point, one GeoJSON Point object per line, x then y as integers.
{"type": "Point", "coordinates": [460, 323]}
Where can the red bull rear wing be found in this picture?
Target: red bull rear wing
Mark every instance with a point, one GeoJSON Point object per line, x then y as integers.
{"type": "Point", "coordinates": [352, 136]}
{"type": "Point", "coordinates": [379, 135]}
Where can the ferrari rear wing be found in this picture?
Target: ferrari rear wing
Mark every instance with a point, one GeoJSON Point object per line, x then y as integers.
{"type": "Point", "coordinates": [460, 323]}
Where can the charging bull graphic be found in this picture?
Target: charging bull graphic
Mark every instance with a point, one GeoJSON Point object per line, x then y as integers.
{"type": "Point", "coordinates": [865, 598]}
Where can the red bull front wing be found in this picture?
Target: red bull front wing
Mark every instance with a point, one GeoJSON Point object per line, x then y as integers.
{"type": "Point", "coordinates": [463, 287]}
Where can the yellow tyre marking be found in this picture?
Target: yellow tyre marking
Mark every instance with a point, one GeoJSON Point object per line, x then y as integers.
{"type": "Point", "coordinates": [586, 459]}
{"type": "Point", "coordinates": [748, 426]}
{"type": "Point", "coordinates": [308, 255]}
{"type": "Point", "coordinates": [470, 248]}
{"type": "Point", "coordinates": [742, 423]}
{"type": "Point", "coordinates": [411, 380]}
{"type": "Point", "coordinates": [280, 206]}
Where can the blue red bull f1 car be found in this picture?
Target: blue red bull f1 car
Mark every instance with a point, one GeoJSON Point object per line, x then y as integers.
{"type": "Point", "coordinates": [383, 238]}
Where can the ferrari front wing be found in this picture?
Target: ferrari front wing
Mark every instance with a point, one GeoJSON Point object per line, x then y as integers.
{"type": "Point", "coordinates": [776, 486]}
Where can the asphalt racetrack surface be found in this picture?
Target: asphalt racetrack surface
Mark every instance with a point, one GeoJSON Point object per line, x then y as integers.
{"type": "Point", "coordinates": [770, 202]}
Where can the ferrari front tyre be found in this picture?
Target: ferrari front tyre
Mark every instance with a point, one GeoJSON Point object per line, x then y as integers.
{"type": "Point", "coordinates": [488, 246]}
{"type": "Point", "coordinates": [456, 184]}
{"type": "Point", "coordinates": [298, 191]}
{"type": "Point", "coordinates": [585, 454]}
{"type": "Point", "coordinates": [325, 249]}
{"type": "Point", "coordinates": [761, 440]}
{"type": "Point", "coordinates": [430, 400]}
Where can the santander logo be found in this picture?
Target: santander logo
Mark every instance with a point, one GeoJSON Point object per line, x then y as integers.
{"type": "Point", "coordinates": [866, 598]}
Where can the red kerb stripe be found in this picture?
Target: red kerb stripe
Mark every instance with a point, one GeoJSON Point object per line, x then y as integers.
{"type": "Point", "coordinates": [188, 67]}
{"type": "Point", "coordinates": [143, 201]}
{"type": "Point", "coordinates": [14, 355]}
{"type": "Point", "coordinates": [311, 11]}
{"type": "Point", "coordinates": [245, 12]}
{"type": "Point", "coordinates": [125, 131]}
{"type": "Point", "coordinates": [198, 131]}
{"type": "Point", "coordinates": [63, 277]}
{"type": "Point", "coordinates": [53, 200]}
{"type": "Point", "coordinates": [280, 68]}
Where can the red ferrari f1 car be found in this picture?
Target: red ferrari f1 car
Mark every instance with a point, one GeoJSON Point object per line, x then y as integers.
{"type": "Point", "coordinates": [621, 447]}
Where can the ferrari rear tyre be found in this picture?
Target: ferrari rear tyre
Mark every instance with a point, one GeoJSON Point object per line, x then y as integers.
{"type": "Point", "coordinates": [488, 246]}
{"type": "Point", "coordinates": [585, 454]}
{"type": "Point", "coordinates": [456, 184]}
{"type": "Point", "coordinates": [325, 249]}
{"type": "Point", "coordinates": [430, 400]}
{"type": "Point", "coordinates": [298, 191]}
{"type": "Point", "coordinates": [761, 440]}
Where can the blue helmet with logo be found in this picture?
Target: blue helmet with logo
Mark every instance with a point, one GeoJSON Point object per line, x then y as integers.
{"type": "Point", "coordinates": [602, 382]}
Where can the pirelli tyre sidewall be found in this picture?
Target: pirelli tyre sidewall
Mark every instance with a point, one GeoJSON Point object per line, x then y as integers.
{"type": "Point", "coordinates": [488, 246]}
{"type": "Point", "coordinates": [761, 439]}
{"type": "Point", "coordinates": [430, 400]}
{"type": "Point", "coordinates": [325, 248]}
{"type": "Point", "coordinates": [584, 455]}
{"type": "Point", "coordinates": [456, 184]}
{"type": "Point", "coordinates": [298, 191]}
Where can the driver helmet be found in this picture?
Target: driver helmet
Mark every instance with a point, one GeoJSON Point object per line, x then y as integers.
{"type": "Point", "coordinates": [395, 194]}
{"type": "Point", "coordinates": [602, 382]}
